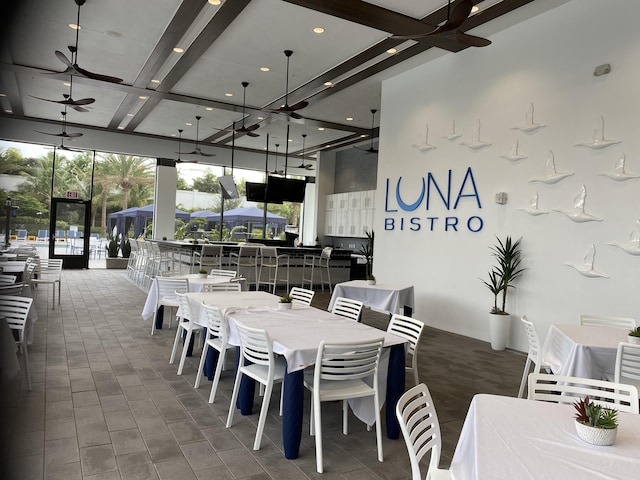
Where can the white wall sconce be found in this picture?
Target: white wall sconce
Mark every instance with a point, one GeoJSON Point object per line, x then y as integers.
{"type": "Point", "coordinates": [501, 198]}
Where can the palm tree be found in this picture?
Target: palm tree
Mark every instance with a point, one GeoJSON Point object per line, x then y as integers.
{"type": "Point", "coordinates": [127, 172]}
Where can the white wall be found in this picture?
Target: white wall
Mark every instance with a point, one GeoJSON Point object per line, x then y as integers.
{"type": "Point", "coordinates": [549, 61]}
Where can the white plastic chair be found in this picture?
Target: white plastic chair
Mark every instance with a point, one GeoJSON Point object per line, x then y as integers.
{"type": "Point", "coordinates": [271, 264]}
{"type": "Point", "coordinates": [263, 367]}
{"type": "Point", "coordinates": [222, 287]}
{"type": "Point", "coordinates": [628, 364]}
{"type": "Point", "coordinates": [166, 288]}
{"type": "Point", "coordinates": [348, 308]}
{"type": "Point", "coordinates": [217, 338]}
{"type": "Point", "coordinates": [597, 320]}
{"type": "Point", "coordinates": [16, 309]}
{"type": "Point", "coordinates": [222, 273]}
{"type": "Point", "coordinates": [186, 324]}
{"type": "Point", "coordinates": [301, 295]}
{"type": "Point", "coordinates": [49, 273]}
{"type": "Point", "coordinates": [321, 262]}
{"type": "Point", "coordinates": [344, 371]}
{"type": "Point", "coordinates": [420, 429]}
{"type": "Point", "coordinates": [208, 256]}
{"type": "Point", "coordinates": [562, 389]}
{"type": "Point", "coordinates": [7, 279]}
{"type": "Point", "coordinates": [246, 258]}
{"type": "Point", "coordinates": [533, 356]}
{"type": "Point", "coordinates": [411, 330]}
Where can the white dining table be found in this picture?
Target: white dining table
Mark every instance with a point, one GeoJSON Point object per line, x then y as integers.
{"type": "Point", "coordinates": [196, 284]}
{"type": "Point", "coordinates": [387, 297]}
{"type": "Point", "coordinates": [296, 334]}
{"type": "Point", "coordinates": [506, 438]}
{"type": "Point", "coordinates": [582, 350]}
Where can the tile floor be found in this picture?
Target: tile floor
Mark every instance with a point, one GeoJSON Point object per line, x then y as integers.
{"type": "Point", "coordinates": [107, 405]}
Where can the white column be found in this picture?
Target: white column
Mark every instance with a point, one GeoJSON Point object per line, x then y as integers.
{"type": "Point", "coordinates": [164, 212]}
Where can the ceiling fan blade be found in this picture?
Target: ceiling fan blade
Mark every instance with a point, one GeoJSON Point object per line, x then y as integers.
{"type": "Point", "coordinates": [197, 151]}
{"type": "Point", "coordinates": [63, 134]}
{"type": "Point", "coordinates": [251, 128]}
{"type": "Point", "coordinates": [459, 14]}
{"type": "Point", "coordinates": [251, 134]}
{"type": "Point", "coordinates": [368, 150]}
{"type": "Point", "coordinates": [68, 101]}
{"type": "Point", "coordinates": [79, 109]}
{"type": "Point", "coordinates": [63, 58]}
{"type": "Point", "coordinates": [417, 35]}
{"type": "Point", "coordinates": [186, 161]}
{"type": "Point", "coordinates": [472, 40]}
{"type": "Point", "coordinates": [97, 76]}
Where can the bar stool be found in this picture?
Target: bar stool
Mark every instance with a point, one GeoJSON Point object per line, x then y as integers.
{"type": "Point", "coordinates": [210, 256]}
{"type": "Point", "coordinates": [321, 262]}
{"type": "Point", "coordinates": [247, 257]}
{"type": "Point", "coordinates": [270, 264]}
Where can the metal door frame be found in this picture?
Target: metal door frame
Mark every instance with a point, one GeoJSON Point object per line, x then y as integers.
{"type": "Point", "coordinates": [70, 261]}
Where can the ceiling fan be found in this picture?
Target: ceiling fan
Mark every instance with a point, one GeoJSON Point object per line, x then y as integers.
{"type": "Point", "coordinates": [64, 133]}
{"type": "Point", "coordinates": [77, 105]}
{"type": "Point", "coordinates": [179, 160]}
{"type": "Point", "coordinates": [72, 65]}
{"type": "Point", "coordinates": [275, 170]}
{"type": "Point", "coordinates": [286, 108]}
{"type": "Point", "coordinates": [246, 130]}
{"type": "Point", "coordinates": [197, 151]}
{"type": "Point", "coordinates": [306, 166]}
{"type": "Point", "coordinates": [451, 27]}
{"type": "Point", "coordinates": [370, 149]}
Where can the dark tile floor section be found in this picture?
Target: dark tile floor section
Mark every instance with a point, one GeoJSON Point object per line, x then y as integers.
{"type": "Point", "coordinates": [107, 405]}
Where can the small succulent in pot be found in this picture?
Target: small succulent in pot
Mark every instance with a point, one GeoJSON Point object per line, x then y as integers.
{"type": "Point", "coordinates": [594, 415]}
{"type": "Point", "coordinates": [635, 332]}
{"type": "Point", "coordinates": [203, 272]}
{"type": "Point", "coordinates": [286, 298]}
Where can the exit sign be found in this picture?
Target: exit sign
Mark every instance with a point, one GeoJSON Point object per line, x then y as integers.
{"type": "Point", "coordinates": [72, 194]}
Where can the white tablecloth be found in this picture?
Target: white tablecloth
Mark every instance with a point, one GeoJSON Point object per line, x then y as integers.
{"type": "Point", "coordinates": [505, 438]}
{"type": "Point", "coordinates": [12, 267]}
{"type": "Point", "coordinates": [9, 364]}
{"type": "Point", "coordinates": [196, 284]}
{"type": "Point", "coordinates": [383, 296]}
{"type": "Point", "coordinates": [227, 301]}
{"type": "Point", "coordinates": [582, 351]}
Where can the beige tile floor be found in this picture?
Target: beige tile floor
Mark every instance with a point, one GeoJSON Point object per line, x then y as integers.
{"type": "Point", "coordinates": [106, 404]}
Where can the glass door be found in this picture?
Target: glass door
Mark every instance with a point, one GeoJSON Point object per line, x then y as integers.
{"type": "Point", "coordinates": [69, 231]}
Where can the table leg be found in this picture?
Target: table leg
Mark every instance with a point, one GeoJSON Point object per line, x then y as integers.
{"type": "Point", "coordinates": [246, 392]}
{"type": "Point", "coordinates": [210, 363]}
{"type": "Point", "coordinates": [159, 317]}
{"type": "Point", "coordinates": [293, 407]}
{"type": "Point", "coordinates": [395, 388]}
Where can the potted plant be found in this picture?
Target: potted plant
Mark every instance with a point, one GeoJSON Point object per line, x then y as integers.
{"type": "Point", "coordinates": [366, 249]}
{"type": "Point", "coordinates": [285, 302]}
{"type": "Point", "coordinates": [508, 257]}
{"type": "Point", "coordinates": [634, 336]}
{"type": "Point", "coordinates": [125, 248]}
{"type": "Point", "coordinates": [112, 247]}
{"type": "Point", "coordinates": [202, 273]}
{"type": "Point", "coordinates": [595, 424]}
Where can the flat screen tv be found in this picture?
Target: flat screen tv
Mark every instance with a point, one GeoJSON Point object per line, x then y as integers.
{"type": "Point", "coordinates": [228, 187]}
{"type": "Point", "coordinates": [280, 189]}
{"type": "Point", "coordinates": [255, 191]}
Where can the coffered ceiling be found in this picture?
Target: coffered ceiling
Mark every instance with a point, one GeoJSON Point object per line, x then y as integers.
{"type": "Point", "coordinates": [338, 72]}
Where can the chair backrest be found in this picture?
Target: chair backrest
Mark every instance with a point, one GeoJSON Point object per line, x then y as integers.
{"type": "Point", "coordinates": [249, 250]}
{"type": "Point", "coordinates": [595, 320]}
{"type": "Point", "coordinates": [7, 279]}
{"type": "Point", "coordinates": [407, 328]}
{"type": "Point", "coordinates": [532, 337]}
{"type": "Point", "coordinates": [346, 307]}
{"type": "Point", "coordinates": [11, 289]}
{"type": "Point", "coordinates": [216, 324]}
{"type": "Point", "coordinates": [166, 287]}
{"type": "Point", "coordinates": [209, 250]}
{"type": "Point", "coordinates": [420, 427]}
{"type": "Point", "coordinates": [562, 389]}
{"type": "Point", "coordinates": [50, 266]}
{"type": "Point", "coordinates": [185, 308]}
{"type": "Point", "coordinates": [28, 272]}
{"type": "Point", "coordinates": [223, 273]}
{"type": "Point", "coordinates": [270, 254]}
{"type": "Point", "coordinates": [326, 253]}
{"type": "Point", "coordinates": [15, 309]}
{"type": "Point", "coordinates": [255, 345]}
{"type": "Point", "coordinates": [347, 361]}
{"type": "Point", "coordinates": [222, 287]}
{"type": "Point", "coordinates": [301, 295]}
{"type": "Point", "coordinates": [628, 364]}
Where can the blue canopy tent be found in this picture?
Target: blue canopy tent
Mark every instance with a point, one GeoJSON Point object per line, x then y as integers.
{"type": "Point", "coordinates": [248, 216]}
{"type": "Point", "coordinates": [138, 216]}
{"type": "Point", "coordinates": [208, 215]}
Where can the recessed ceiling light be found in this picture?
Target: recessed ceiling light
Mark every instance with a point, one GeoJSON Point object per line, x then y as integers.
{"type": "Point", "coordinates": [178, 50]}
{"type": "Point", "coordinates": [75, 26]}
{"type": "Point", "coordinates": [8, 111]}
{"type": "Point", "coordinates": [264, 69]}
{"type": "Point", "coordinates": [228, 94]}
{"type": "Point", "coordinates": [474, 9]}
{"type": "Point", "coordinates": [143, 97]}
{"type": "Point", "coordinates": [3, 94]}
{"type": "Point", "coordinates": [214, 2]}
{"type": "Point", "coordinates": [318, 30]}
{"type": "Point", "coordinates": [362, 136]}
{"type": "Point", "coordinates": [260, 118]}
{"type": "Point", "coordinates": [66, 84]}
{"type": "Point", "coordinates": [189, 124]}
{"type": "Point", "coordinates": [290, 140]}
{"type": "Point", "coordinates": [327, 84]}
{"type": "Point", "coordinates": [172, 135]}
{"type": "Point", "coordinates": [348, 119]}
{"type": "Point", "coordinates": [209, 108]}
{"type": "Point", "coordinates": [392, 50]}
{"type": "Point", "coordinates": [129, 114]}
{"type": "Point", "coordinates": [155, 80]}
{"type": "Point", "coordinates": [321, 128]}
{"type": "Point", "coordinates": [120, 128]}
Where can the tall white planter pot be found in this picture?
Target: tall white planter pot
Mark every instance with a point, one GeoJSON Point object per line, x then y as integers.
{"type": "Point", "coordinates": [499, 330]}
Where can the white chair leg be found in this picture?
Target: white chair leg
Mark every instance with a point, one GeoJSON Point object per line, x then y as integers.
{"type": "Point", "coordinates": [312, 428]}
{"type": "Point", "coordinates": [525, 374]}
{"type": "Point", "coordinates": [318, 427]}
{"type": "Point", "coordinates": [376, 402]}
{"type": "Point", "coordinates": [185, 347]}
{"type": "Point", "coordinates": [234, 397]}
{"type": "Point", "coordinates": [216, 376]}
{"type": "Point", "coordinates": [345, 417]}
{"type": "Point", "coordinates": [175, 345]}
{"type": "Point", "coordinates": [201, 364]}
{"type": "Point", "coordinates": [263, 416]}
{"type": "Point", "coordinates": [153, 322]}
